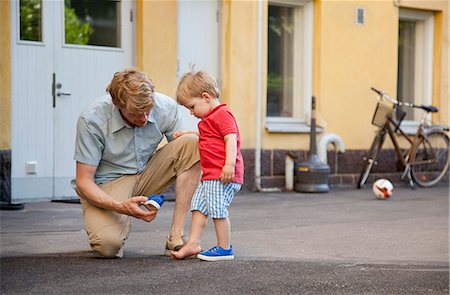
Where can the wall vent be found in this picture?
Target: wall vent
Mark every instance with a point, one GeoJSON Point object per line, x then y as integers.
{"type": "Point", "coordinates": [360, 16]}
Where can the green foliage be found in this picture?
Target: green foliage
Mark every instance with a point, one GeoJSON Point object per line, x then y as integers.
{"type": "Point", "coordinates": [30, 20]}
{"type": "Point", "coordinates": [76, 31]}
{"type": "Point", "coordinates": [273, 82]}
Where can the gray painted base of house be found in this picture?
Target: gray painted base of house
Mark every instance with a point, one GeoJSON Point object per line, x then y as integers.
{"type": "Point", "coordinates": [5, 176]}
{"type": "Point", "coordinates": [36, 189]}
{"type": "Point", "coordinates": [345, 167]}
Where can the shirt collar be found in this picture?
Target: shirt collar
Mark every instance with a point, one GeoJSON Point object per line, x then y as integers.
{"type": "Point", "coordinates": [118, 122]}
{"type": "Point", "coordinates": [215, 109]}
{"type": "Point", "coordinates": [151, 117]}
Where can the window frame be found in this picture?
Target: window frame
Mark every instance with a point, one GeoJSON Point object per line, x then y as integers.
{"type": "Point", "coordinates": [19, 41]}
{"type": "Point", "coordinates": [303, 70]}
{"type": "Point", "coordinates": [425, 88]}
{"type": "Point", "coordinates": [122, 18]}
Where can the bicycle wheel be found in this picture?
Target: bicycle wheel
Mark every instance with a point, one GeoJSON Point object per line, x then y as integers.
{"type": "Point", "coordinates": [371, 157]}
{"type": "Point", "coordinates": [430, 158]}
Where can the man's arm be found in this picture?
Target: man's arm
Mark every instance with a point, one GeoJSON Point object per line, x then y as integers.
{"type": "Point", "coordinates": [89, 190]}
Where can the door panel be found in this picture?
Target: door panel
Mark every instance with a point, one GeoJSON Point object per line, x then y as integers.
{"type": "Point", "coordinates": [31, 113]}
{"type": "Point", "coordinates": [84, 71]}
{"type": "Point", "coordinates": [43, 133]}
{"type": "Point", "coordinates": [198, 43]}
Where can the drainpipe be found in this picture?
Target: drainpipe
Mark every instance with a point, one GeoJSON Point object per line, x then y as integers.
{"type": "Point", "coordinates": [258, 100]}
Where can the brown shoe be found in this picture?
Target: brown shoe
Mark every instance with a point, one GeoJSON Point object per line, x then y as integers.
{"type": "Point", "coordinates": [174, 245]}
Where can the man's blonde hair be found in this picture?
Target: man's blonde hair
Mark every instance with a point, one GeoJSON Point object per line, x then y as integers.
{"type": "Point", "coordinates": [132, 90]}
{"type": "Point", "coordinates": [194, 83]}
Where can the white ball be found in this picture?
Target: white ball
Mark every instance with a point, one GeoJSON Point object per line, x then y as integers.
{"type": "Point", "coordinates": [382, 188]}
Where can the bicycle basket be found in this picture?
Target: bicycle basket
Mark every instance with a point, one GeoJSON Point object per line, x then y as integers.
{"type": "Point", "coordinates": [382, 112]}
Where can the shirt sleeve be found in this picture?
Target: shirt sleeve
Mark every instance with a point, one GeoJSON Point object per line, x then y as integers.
{"type": "Point", "coordinates": [175, 122]}
{"type": "Point", "coordinates": [226, 123]}
{"type": "Point", "coordinates": [88, 144]}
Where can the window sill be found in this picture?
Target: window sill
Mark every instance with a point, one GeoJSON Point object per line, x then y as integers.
{"type": "Point", "coordinates": [289, 126]}
{"type": "Point", "coordinates": [409, 127]}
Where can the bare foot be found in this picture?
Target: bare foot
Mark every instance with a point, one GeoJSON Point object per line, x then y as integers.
{"type": "Point", "coordinates": [187, 251]}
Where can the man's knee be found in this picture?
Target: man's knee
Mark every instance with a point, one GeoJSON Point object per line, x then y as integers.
{"type": "Point", "coordinates": [108, 244]}
{"type": "Point", "coordinates": [187, 150]}
{"type": "Point", "coordinates": [190, 141]}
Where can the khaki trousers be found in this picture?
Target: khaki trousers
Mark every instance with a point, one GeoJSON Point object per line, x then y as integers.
{"type": "Point", "coordinates": [108, 230]}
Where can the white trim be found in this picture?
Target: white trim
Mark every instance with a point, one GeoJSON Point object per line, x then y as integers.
{"type": "Point", "coordinates": [409, 127]}
{"type": "Point", "coordinates": [291, 2]}
{"type": "Point", "coordinates": [428, 58]}
{"type": "Point", "coordinates": [94, 47]}
{"type": "Point", "coordinates": [308, 54]}
{"type": "Point", "coordinates": [288, 125]}
{"type": "Point", "coordinates": [299, 123]}
{"type": "Point", "coordinates": [29, 42]}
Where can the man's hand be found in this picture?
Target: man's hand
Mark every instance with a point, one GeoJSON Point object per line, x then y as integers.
{"type": "Point", "coordinates": [131, 208]}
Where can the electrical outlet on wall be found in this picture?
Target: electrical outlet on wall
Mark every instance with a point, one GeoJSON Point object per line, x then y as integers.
{"type": "Point", "coordinates": [31, 167]}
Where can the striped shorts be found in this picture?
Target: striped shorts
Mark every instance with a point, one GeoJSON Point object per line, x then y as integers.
{"type": "Point", "coordinates": [212, 198]}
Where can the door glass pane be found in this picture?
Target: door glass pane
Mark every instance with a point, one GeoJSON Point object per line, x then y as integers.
{"type": "Point", "coordinates": [406, 63]}
{"type": "Point", "coordinates": [92, 22]}
{"type": "Point", "coordinates": [30, 20]}
{"type": "Point", "coordinates": [280, 88]}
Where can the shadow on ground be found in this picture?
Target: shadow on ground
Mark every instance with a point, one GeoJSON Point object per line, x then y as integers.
{"type": "Point", "coordinates": [80, 273]}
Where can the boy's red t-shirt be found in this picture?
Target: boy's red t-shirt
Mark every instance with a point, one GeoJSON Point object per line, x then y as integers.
{"type": "Point", "coordinates": [213, 128]}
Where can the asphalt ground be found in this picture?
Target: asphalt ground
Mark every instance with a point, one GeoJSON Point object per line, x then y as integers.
{"type": "Point", "coordinates": [342, 242]}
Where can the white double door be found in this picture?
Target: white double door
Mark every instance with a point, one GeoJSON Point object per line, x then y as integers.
{"type": "Point", "coordinates": [52, 82]}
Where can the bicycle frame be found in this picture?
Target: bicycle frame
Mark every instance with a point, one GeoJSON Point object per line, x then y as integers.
{"type": "Point", "coordinates": [392, 129]}
{"type": "Point", "coordinates": [383, 118]}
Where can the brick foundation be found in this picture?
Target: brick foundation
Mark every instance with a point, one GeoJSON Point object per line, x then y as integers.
{"type": "Point", "coordinates": [345, 167]}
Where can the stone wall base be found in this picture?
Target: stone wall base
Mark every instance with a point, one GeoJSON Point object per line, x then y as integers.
{"type": "Point", "coordinates": [345, 167]}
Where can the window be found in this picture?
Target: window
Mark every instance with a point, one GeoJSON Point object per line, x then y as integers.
{"type": "Point", "coordinates": [30, 20]}
{"type": "Point", "coordinates": [415, 61]}
{"type": "Point", "coordinates": [92, 22]}
{"type": "Point", "coordinates": [289, 65]}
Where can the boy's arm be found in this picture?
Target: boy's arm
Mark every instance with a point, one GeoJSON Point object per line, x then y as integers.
{"type": "Point", "coordinates": [227, 174]}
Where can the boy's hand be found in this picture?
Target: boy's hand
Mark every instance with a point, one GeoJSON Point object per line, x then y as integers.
{"type": "Point", "coordinates": [227, 174]}
{"type": "Point", "coordinates": [179, 133]}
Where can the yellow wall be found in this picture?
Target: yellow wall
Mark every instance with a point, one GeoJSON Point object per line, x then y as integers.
{"type": "Point", "coordinates": [156, 42]}
{"type": "Point", "coordinates": [239, 72]}
{"type": "Point", "coordinates": [5, 76]}
{"type": "Point", "coordinates": [348, 60]}
{"type": "Point", "coordinates": [352, 59]}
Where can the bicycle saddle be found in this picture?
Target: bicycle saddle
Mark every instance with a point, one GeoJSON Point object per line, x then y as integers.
{"type": "Point", "coordinates": [431, 109]}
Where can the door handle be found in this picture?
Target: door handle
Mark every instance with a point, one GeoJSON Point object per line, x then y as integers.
{"type": "Point", "coordinates": [59, 93]}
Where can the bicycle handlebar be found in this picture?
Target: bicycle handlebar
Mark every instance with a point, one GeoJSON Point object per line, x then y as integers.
{"type": "Point", "coordinates": [427, 108]}
{"type": "Point", "coordinates": [383, 94]}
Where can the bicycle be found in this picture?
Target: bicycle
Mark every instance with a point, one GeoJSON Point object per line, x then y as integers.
{"type": "Point", "coordinates": [426, 161]}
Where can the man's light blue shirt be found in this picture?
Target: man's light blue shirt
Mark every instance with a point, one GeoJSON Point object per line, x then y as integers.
{"type": "Point", "coordinates": [105, 140]}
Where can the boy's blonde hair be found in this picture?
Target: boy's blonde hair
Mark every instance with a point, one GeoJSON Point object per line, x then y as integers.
{"type": "Point", "coordinates": [132, 90]}
{"type": "Point", "coordinates": [194, 83]}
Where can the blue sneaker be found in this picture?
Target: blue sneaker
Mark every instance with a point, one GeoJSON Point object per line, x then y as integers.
{"type": "Point", "coordinates": [216, 254]}
{"type": "Point", "coordinates": [154, 202]}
